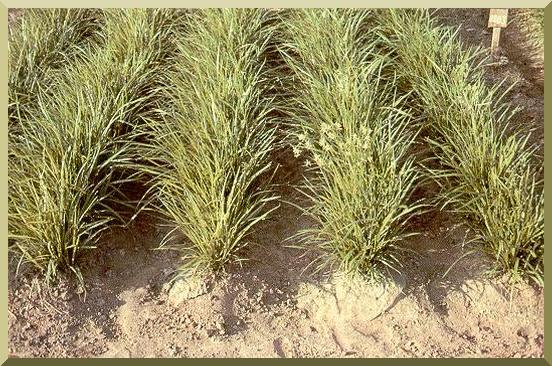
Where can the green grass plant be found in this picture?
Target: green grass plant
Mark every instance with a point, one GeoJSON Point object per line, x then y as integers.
{"type": "Point", "coordinates": [41, 41]}
{"type": "Point", "coordinates": [68, 160]}
{"type": "Point", "coordinates": [487, 174]}
{"type": "Point", "coordinates": [352, 128]}
{"type": "Point", "coordinates": [209, 156]}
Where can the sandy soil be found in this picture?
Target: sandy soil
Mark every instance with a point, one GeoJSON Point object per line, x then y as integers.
{"type": "Point", "coordinates": [439, 307]}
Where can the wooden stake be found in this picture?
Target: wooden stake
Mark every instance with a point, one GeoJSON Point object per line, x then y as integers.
{"type": "Point", "coordinates": [498, 19]}
{"type": "Point", "coordinates": [495, 40]}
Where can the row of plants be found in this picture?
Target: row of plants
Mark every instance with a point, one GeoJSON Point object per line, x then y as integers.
{"type": "Point", "coordinates": [189, 104]}
{"type": "Point", "coordinates": [42, 42]}
{"type": "Point", "coordinates": [487, 173]}
{"type": "Point", "coordinates": [531, 24]}
{"type": "Point", "coordinates": [354, 130]}
{"type": "Point", "coordinates": [69, 154]}
{"type": "Point", "coordinates": [209, 154]}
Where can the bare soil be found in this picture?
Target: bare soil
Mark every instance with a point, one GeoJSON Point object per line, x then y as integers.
{"type": "Point", "coordinates": [269, 307]}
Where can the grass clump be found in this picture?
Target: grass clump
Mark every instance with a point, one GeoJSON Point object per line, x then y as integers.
{"type": "Point", "coordinates": [41, 41]}
{"type": "Point", "coordinates": [210, 156]}
{"type": "Point", "coordinates": [486, 175]}
{"type": "Point", "coordinates": [530, 23]}
{"type": "Point", "coordinates": [67, 163]}
{"type": "Point", "coordinates": [346, 117]}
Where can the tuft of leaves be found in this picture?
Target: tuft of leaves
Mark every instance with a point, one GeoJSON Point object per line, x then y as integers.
{"type": "Point", "coordinates": [41, 41]}
{"type": "Point", "coordinates": [209, 157]}
{"type": "Point", "coordinates": [486, 174]}
{"type": "Point", "coordinates": [354, 131]}
{"type": "Point", "coordinates": [73, 152]}
{"type": "Point", "coordinates": [530, 23]}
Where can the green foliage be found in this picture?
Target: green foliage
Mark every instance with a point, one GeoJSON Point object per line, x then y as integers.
{"type": "Point", "coordinates": [66, 161]}
{"type": "Point", "coordinates": [209, 157]}
{"type": "Point", "coordinates": [348, 119]}
{"type": "Point", "coordinates": [486, 174]}
{"type": "Point", "coordinates": [532, 21]}
{"type": "Point", "coordinates": [192, 102]}
{"type": "Point", "coordinates": [44, 40]}
{"type": "Point", "coordinates": [531, 24]}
